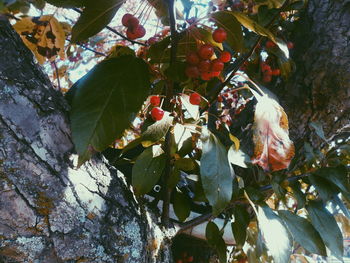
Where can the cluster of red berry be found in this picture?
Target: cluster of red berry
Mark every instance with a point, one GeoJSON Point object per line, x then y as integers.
{"type": "Point", "coordinates": [134, 29]}
{"type": "Point", "coordinates": [200, 63]}
{"type": "Point", "coordinates": [157, 113]}
{"type": "Point", "coordinates": [270, 44]}
{"type": "Point", "coordinates": [268, 72]}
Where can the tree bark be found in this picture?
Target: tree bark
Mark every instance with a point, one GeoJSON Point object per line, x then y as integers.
{"type": "Point", "coordinates": [320, 88]}
{"type": "Point", "coordinates": [49, 210]}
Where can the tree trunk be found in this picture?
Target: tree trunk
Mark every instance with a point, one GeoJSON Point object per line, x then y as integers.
{"type": "Point", "coordinates": [49, 210]}
{"type": "Point", "coordinates": [320, 88]}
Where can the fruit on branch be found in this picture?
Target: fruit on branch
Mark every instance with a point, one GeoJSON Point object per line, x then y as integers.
{"type": "Point", "coordinates": [270, 44]}
{"type": "Point", "coordinates": [195, 98]}
{"type": "Point", "coordinates": [204, 65]}
{"type": "Point", "coordinates": [290, 45]}
{"type": "Point", "coordinates": [206, 75]}
{"type": "Point", "coordinates": [192, 72]}
{"type": "Point", "coordinates": [206, 51]}
{"type": "Point", "coordinates": [192, 58]}
{"type": "Point", "coordinates": [129, 21]}
{"type": "Point", "coordinates": [217, 65]}
{"type": "Point", "coordinates": [157, 114]}
{"type": "Point", "coordinates": [225, 56]}
{"type": "Point", "coordinates": [219, 35]}
{"type": "Point", "coordinates": [134, 29]}
{"type": "Point", "coordinates": [155, 101]}
{"type": "Point", "coordinates": [276, 72]}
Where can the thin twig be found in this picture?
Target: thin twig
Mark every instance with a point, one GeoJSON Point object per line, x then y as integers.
{"type": "Point", "coordinates": [90, 49]}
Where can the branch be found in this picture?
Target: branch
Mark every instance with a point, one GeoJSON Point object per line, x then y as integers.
{"type": "Point", "coordinates": [167, 106]}
{"type": "Point", "coordinates": [90, 49]}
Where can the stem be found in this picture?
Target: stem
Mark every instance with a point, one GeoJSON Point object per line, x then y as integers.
{"type": "Point", "coordinates": [90, 49]}
{"type": "Point", "coordinates": [57, 75]}
{"type": "Point", "coordinates": [167, 106]}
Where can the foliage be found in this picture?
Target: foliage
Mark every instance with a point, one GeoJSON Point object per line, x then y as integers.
{"type": "Point", "coordinates": [219, 141]}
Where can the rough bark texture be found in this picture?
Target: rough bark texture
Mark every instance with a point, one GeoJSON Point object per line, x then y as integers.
{"type": "Point", "coordinates": [52, 212]}
{"type": "Point", "coordinates": [49, 210]}
{"type": "Point", "coordinates": [320, 88]}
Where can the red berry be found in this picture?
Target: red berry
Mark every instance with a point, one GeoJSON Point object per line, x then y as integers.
{"type": "Point", "coordinates": [215, 73]}
{"type": "Point", "coordinates": [290, 45]}
{"type": "Point", "coordinates": [267, 78]}
{"type": "Point", "coordinates": [192, 72]}
{"type": "Point", "coordinates": [206, 75]}
{"type": "Point", "coordinates": [276, 72]}
{"type": "Point", "coordinates": [219, 35]}
{"type": "Point", "coordinates": [225, 56]}
{"type": "Point", "coordinates": [157, 114]}
{"type": "Point", "coordinates": [220, 99]}
{"type": "Point", "coordinates": [190, 259]}
{"type": "Point", "coordinates": [155, 101]}
{"type": "Point", "coordinates": [140, 31]}
{"type": "Point", "coordinates": [195, 98]}
{"type": "Point", "coordinates": [270, 44]}
{"type": "Point", "coordinates": [152, 40]}
{"type": "Point", "coordinates": [192, 58]}
{"type": "Point", "coordinates": [131, 34]}
{"type": "Point", "coordinates": [217, 65]}
{"type": "Point", "coordinates": [265, 67]}
{"type": "Point", "coordinates": [126, 18]}
{"type": "Point", "coordinates": [204, 65]}
{"type": "Point", "coordinates": [206, 51]}
{"type": "Point", "coordinates": [268, 72]}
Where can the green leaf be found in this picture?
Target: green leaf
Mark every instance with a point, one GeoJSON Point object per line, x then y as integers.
{"type": "Point", "coordinates": [215, 239]}
{"type": "Point", "coordinates": [160, 52]}
{"type": "Point", "coordinates": [253, 25]}
{"type": "Point", "coordinates": [298, 194]}
{"type": "Point", "coordinates": [327, 227]}
{"type": "Point", "coordinates": [185, 164]}
{"type": "Point", "coordinates": [303, 232]}
{"type": "Point", "coordinates": [337, 175]}
{"type": "Point", "coordinates": [147, 170]}
{"type": "Point", "coordinates": [277, 238]}
{"type": "Point", "coordinates": [96, 15]}
{"type": "Point", "coordinates": [239, 226]}
{"type": "Point", "coordinates": [324, 187]}
{"type": "Point", "coordinates": [216, 173]}
{"type": "Point", "coordinates": [182, 206]}
{"type": "Point", "coordinates": [232, 27]}
{"type": "Point", "coordinates": [238, 157]}
{"type": "Point", "coordinates": [105, 101]}
{"type": "Point", "coordinates": [67, 3]}
{"type": "Point", "coordinates": [318, 129]}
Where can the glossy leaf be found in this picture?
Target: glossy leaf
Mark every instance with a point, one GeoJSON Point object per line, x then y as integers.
{"type": "Point", "coordinates": [96, 15]}
{"type": "Point", "coordinates": [105, 101]}
{"type": "Point", "coordinates": [227, 21]}
{"type": "Point", "coordinates": [239, 226]}
{"type": "Point", "coordinates": [298, 194]}
{"type": "Point", "coordinates": [147, 170]}
{"type": "Point", "coordinates": [337, 175]}
{"type": "Point", "coordinates": [253, 25]}
{"type": "Point", "coordinates": [277, 238]}
{"type": "Point", "coordinates": [327, 227]}
{"type": "Point", "coordinates": [214, 238]}
{"type": "Point", "coordinates": [185, 164]}
{"type": "Point", "coordinates": [182, 206]}
{"type": "Point", "coordinates": [303, 232]}
{"type": "Point", "coordinates": [216, 173]}
{"type": "Point", "coordinates": [325, 188]}
{"type": "Point", "coordinates": [318, 129]}
{"type": "Point", "coordinates": [238, 157]}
